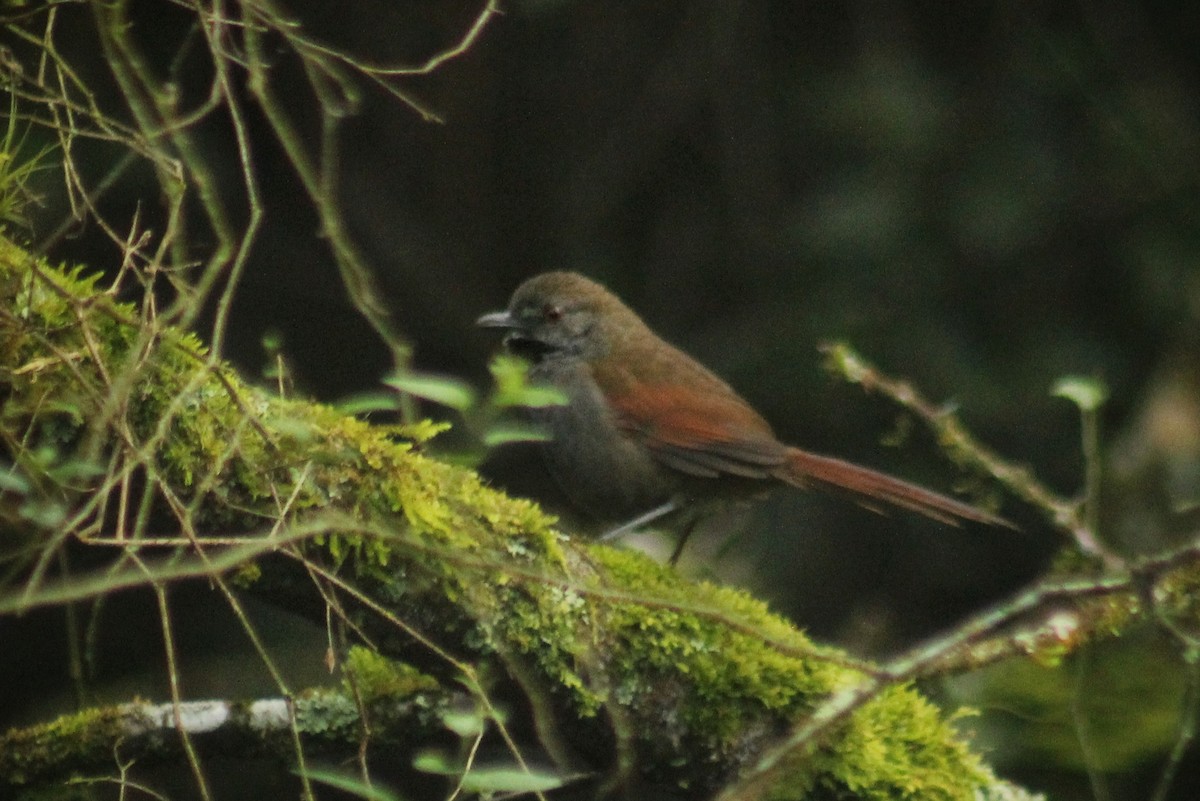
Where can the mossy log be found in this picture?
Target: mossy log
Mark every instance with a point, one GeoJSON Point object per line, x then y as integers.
{"type": "Point", "coordinates": [630, 673]}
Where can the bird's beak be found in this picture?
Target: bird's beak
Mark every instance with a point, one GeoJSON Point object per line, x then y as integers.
{"type": "Point", "coordinates": [500, 319]}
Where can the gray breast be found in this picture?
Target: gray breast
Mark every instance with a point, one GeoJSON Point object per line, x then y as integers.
{"type": "Point", "coordinates": [603, 472]}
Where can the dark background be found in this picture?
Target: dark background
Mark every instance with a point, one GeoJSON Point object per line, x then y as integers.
{"type": "Point", "coordinates": [980, 197]}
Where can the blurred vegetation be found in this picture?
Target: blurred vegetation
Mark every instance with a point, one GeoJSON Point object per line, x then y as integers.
{"type": "Point", "coordinates": [981, 198]}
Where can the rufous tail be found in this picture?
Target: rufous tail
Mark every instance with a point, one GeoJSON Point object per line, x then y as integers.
{"type": "Point", "coordinates": [870, 488]}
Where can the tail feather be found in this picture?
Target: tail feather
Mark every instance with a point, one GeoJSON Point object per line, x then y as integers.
{"type": "Point", "coordinates": [869, 488]}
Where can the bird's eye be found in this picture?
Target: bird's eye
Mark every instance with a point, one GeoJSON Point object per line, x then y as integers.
{"type": "Point", "coordinates": [552, 313]}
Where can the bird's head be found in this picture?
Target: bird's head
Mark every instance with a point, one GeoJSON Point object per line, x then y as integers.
{"type": "Point", "coordinates": [562, 315]}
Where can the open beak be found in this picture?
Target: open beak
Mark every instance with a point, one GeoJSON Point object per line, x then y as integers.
{"type": "Point", "coordinates": [500, 319]}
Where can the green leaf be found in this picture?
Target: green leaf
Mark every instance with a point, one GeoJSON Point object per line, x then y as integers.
{"type": "Point", "coordinates": [534, 396]}
{"type": "Point", "coordinates": [272, 341]}
{"type": "Point", "coordinates": [509, 778]}
{"type": "Point", "coordinates": [13, 482]}
{"type": "Point", "coordinates": [1089, 394]}
{"type": "Point", "coordinates": [513, 388]}
{"type": "Point", "coordinates": [502, 777]}
{"type": "Point", "coordinates": [464, 723]}
{"type": "Point", "coordinates": [43, 513]}
{"type": "Point", "coordinates": [364, 402]}
{"type": "Point", "coordinates": [350, 784]}
{"type": "Point", "coordinates": [76, 469]}
{"type": "Point", "coordinates": [505, 433]}
{"type": "Point", "coordinates": [447, 391]}
{"type": "Point", "coordinates": [436, 762]}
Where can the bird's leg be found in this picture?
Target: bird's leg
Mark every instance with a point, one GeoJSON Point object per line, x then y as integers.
{"type": "Point", "coordinates": [682, 541]}
{"type": "Point", "coordinates": [639, 521]}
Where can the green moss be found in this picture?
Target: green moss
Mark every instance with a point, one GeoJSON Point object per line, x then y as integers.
{"type": "Point", "coordinates": [731, 680]}
{"type": "Point", "coordinates": [373, 675]}
{"type": "Point", "coordinates": [734, 664]}
{"type": "Point", "coordinates": [550, 625]}
{"type": "Point", "coordinates": [901, 747]}
{"type": "Point", "coordinates": [81, 738]}
{"type": "Point", "coordinates": [329, 714]}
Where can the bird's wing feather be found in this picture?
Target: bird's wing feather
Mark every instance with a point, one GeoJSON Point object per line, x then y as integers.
{"type": "Point", "coordinates": [699, 434]}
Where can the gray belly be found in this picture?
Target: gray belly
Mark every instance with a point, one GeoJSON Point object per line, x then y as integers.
{"type": "Point", "coordinates": [603, 472]}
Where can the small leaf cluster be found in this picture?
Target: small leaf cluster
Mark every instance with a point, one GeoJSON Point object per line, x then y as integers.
{"type": "Point", "coordinates": [490, 419]}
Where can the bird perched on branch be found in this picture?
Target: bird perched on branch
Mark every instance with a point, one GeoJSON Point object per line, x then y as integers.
{"type": "Point", "coordinates": [647, 431]}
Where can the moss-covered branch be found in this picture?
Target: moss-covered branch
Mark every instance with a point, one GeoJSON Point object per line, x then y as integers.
{"type": "Point", "coordinates": [624, 667]}
{"type": "Point", "coordinates": [403, 712]}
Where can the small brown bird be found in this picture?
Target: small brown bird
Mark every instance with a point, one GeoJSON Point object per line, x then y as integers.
{"type": "Point", "coordinates": [647, 430]}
